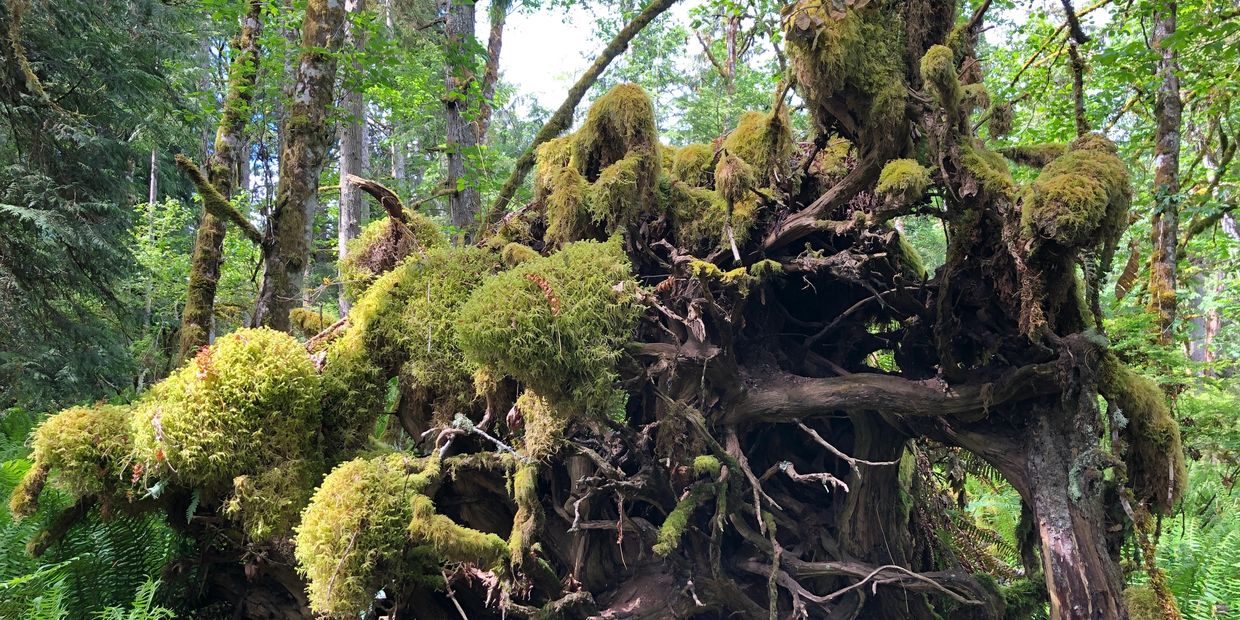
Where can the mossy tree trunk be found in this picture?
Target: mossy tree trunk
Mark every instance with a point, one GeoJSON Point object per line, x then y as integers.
{"type": "Point", "coordinates": [461, 141]}
{"type": "Point", "coordinates": [306, 137]}
{"type": "Point", "coordinates": [208, 252]}
{"type": "Point", "coordinates": [1168, 113]}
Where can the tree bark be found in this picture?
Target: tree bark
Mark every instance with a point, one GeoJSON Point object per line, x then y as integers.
{"type": "Point", "coordinates": [462, 137]}
{"type": "Point", "coordinates": [490, 75]}
{"type": "Point", "coordinates": [304, 149]}
{"type": "Point", "coordinates": [208, 253]}
{"type": "Point", "coordinates": [563, 116]}
{"type": "Point", "coordinates": [1168, 111]}
{"type": "Point", "coordinates": [352, 148]}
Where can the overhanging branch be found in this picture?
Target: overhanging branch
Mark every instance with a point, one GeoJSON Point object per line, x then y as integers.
{"type": "Point", "coordinates": [215, 202]}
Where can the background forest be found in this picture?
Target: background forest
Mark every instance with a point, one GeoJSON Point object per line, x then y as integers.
{"type": "Point", "coordinates": [101, 228]}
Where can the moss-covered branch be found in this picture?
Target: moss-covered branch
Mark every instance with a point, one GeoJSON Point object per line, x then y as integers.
{"type": "Point", "coordinates": [215, 202]}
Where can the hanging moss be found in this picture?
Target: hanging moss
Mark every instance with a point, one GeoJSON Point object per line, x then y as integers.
{"type": "Point", "coordinates": [854, 56]}
{"type": "Point", "coordinates": [310, 321]}
{"type": "Point", "coordinates": [1155, 455]}
{"type": "Point", "coordinates": [557, 324]}
{"type": "Point", "coordinates": [1034, 155]}
{"type": "Point", "coordinates": [268, 503]}
{"type": "Point", "coordinates": [764, 141]}
{"type": "Point", "coordinates": [529, 511]}
{"type": "Point", "coordinates": [85, 448]}
{"type": "Point", "coordinates": [249, 400]}
{"type": "Point", "coordinates": [618, 122]}
{"type": "Point", "coordinates": [382, 245]}
{"type": "Point", "coordinates": [1081, 198]}
{"type": "Point", "coordinates": [622, 191]}
{"type": "Point", "coordinates": [404, 324]}
{"type": "Point", "coordinates": [370, 523]}
{"type": "Point", "coordinates": [568, 219]}
{"type": "Point", "coordinates": [904, 181]}
{"type": "Point", "coordinates": [1000, 120]}
{"type": "Point", "coordinates": [544, 426]}
{"type": "Point", "coordinates": [694, 164]}
{"type": "Point", "coordinates": [733, 178]}
{"type": "Point", "coordinates": [551, 157]}
{"type": "Point", "coordinates": [24, 500]}
{"type": "Point", "coordinates": [975, 97]}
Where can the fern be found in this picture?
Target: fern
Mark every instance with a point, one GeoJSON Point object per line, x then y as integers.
{"type": "Point", "coordinates": [143, 606]}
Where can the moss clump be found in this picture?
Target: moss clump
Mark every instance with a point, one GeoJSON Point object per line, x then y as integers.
{"type": "Point", "coordinates": [1081, 198]}
{"type": "Point", "coordinates": [988, 168]}
{"type": "Point", "coordinates": [382, 245]}
{"type": "Point", "coordinates": [1000, 120]}
{"type": "Point", "coordinates": [369, 522]}
{"type": "Point", "coordinates": [514, 254]}
{"type": "Point", "coordinates": [24, 501]}
{"type": "Point", "coordinates": [975, 97]}
{"type": "Point", "coordinates": [694, 165]}
{"type": "Point", "coordinates": [903, 181]}
{"type": "Point", "coordinates": [557, 324]}
{"type": "Point", "coordinates": [1155, 455]}
{"type": "Point", "coordinates": [910, 259]}
{"type": "Point", "coordinates": [86, 448]}
{"type": "Point", "coordinates": [604, 173]}
{"type": "Point", "coordinates": [938, 71]}
{"type": "Point", "coordinates": [764, 141]}
{"type": "Point", "coordinates": [403, 325]}
{"type": "Point", "coordinates": [310, 321]}
{"type": "Point", "coordinates": [707, 465]}
{"type": "Point", "coordinates": [832, 162]}
{"type": "Point", "coordinates": [529, 511]}
{"type": "Point", "coordinates": [700, 216]}
{"type": "Point", "coordinates": [248, 401]}
{"type": "Point", "coordinates": [1142, 603]}
{"type": "Point", "coordinates": [855, 57]}
{"type": "Point", "coordinates": [733, 178]}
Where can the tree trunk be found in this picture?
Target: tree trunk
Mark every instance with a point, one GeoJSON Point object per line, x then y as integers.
{"type": "Point", "coordinates": [1166, 222]}
{"type": "Point", "coordinates": [352, 147]}
{"type": "Point", "coordinates": [307, 137]}
{"type": "Point", "coordinates": [208, 253]}
{"type": "Point", "coordinates": [462, 137]}
{"type": "Point", "coordinates": [490, 76]}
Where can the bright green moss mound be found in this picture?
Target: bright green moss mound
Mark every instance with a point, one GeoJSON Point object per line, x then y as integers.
{"type": "Point", "coordinates": [618, 122]}
{"type": "Point", "coordinates": [370, 523]}
{"type": "Point", "coordinates": [86, 448]}
{"type": "Point", "coordinates": [1155, 455]}
{"type": "Point", "coordinates": [380, 247]}
{"type": "Point", "coordinates": [694, 164]}
{"type": "Point", "coordinates": [1081, 198]}
{"type": "Point", "coordinates": [764, 141]}
{"type": "Point", "coordinates": [249, 400]}
{"type": "Point", "coordinates": [557, 324]}
{"type": "Point", "coordinates": [403, 325]}
{"type": "Point", "coordinates": [988, 168]}
{"type": "Point", "coordinates": [903, 180]}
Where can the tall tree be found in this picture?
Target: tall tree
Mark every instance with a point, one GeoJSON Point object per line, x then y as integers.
{"type": "Point", "coordinates": [1168, 112]}
{"type": "Point", "coordinates": [307, 136]}
{"type": "Point", "coordinates": [354, 209]}
{"type": "Point", "coordinates": [222, 172]}
{"type": "Point", "coordinates": [460, 86]}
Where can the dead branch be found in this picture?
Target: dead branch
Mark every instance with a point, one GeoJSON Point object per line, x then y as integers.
{"type": "Point", "coordinates": [385, 196]}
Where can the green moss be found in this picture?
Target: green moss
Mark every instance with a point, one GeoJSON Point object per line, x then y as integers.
{"type": "Point", "coordinates": [310, 321]}
{"type": "Point", "coordinates": [1000, 118]}
{"type": "Point", "coordinates": [694, 165]}
{"type": "Point", "coordinates": [268, 503]}
{"type": "Point", "coordinates": [557, 324]}
{"type": "Point", "coordinates": [707, 465]}
{"type": "Point", "coordinates": [1142, 603]}
{"type": "Point", "coordinates": [514, 254]}
{"type": "Point", "coordinates": [529, 511]}
{"type": "Point", "coordinates": [370, 523]}
{"type": "Point", "coordinates": [24, 500]}
{"type": "Point", "coordinates": [403, 325]}
{"type": "Point", "coordinates": [86, 448]}
{"type": "Point", "coordinates": [544, 426]}
{"type": "Point", "coordinates": [1155, 454]}
{"type": "Point", "coordinates": [975, 97]}
{"type": "Point", "coordinates": [551, 157]}
{"type": "Point", "coordinates": [910, 259]}
{"type": "Point", "coordinates": [619, 121]}
{"type": "Point", "coordinates": [1034, 155]}
{"type": "Point", "coordinates": [1023, 598]}
{"type": "Point", "coordinates": [381, 246]}
{"type": "Point", "coordinates": [621, 192]}
{"type": "Point", "coordinates": [568, 219]}
{"type": "Point", "coordinates": [699, 216]}
{"type": "Point", "coordinates": [733, 178]}
{"type": "Point", "coordinates": [832, 162]}
{"type": "Point", "coordinates": [1081, 198]}
{"type": "Point", "coordinates": [677, 521]}
{"type": "Point", "coordinates": [764, 141]}
{"type": "Point", "coordinates": [249, 400]}
{"type": "Point", "coordinates": [856, 57]}
{"type": "Point", "coordinates": [903, 180]}
{"type": "Point", "coordinates": [938, 71]}
{"type": "Point", "coordinates": [988, 168]}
